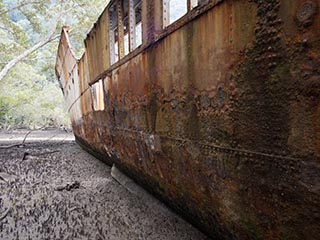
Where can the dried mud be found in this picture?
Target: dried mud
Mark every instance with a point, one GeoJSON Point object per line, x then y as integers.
{"type": "Point", "coordinates": [52, 189]}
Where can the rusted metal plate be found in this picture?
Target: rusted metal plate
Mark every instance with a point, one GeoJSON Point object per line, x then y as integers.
{"type": "Point", "coordinates": [218, 114]}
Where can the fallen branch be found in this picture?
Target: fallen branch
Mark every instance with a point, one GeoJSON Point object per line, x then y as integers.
{"type": "Point", "coordinates": [18, 144]}
{"type": "Point", "coordinates": [24, 140]}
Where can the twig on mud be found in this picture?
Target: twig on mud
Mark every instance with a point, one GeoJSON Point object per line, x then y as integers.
{"type": "Point", "coordinates": [49, 219]}
{"type": "Point", "coordinates": [10, 146]}
{"type": "Point", "coordinates": [2, 179]}
{"type": "Point", "coordinates": [5, 214]}
{"type": "Point", "coordinates": [69, 187]}
{"type": "Point", "coordinates": [7, 177]}
{"type": "Point", "coordinates": [25, 154]}
{"type": "Point", "coordinates": [3, 169]}
{"type": "Point", "coordinates": [38, 154]}
{"type": "Point", "coordinates": [40, 182]}
{"type": "Point", "coordinates": [75, 209]}
{"type": "Point", "coordinates": [23, 142]}
{"type": "Point", "coordinates": [45, 153]}
{"type": "Point", "coordinates": [62, 141]}
{"type": "Point", "coordinates": [25, 137]}
{"type": "Point", "coordinates": [28, 170]}
{"type": "Point", "coordinates": [49, 138]}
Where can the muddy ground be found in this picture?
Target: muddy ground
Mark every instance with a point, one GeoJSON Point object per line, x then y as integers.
{"type": "Point", "coordinates": [51, 189]}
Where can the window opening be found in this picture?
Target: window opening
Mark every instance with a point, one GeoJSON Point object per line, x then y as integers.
{"type": "Point", "coordinates": [138, 34]}
{"type": "Point", "coordinates": [126, 36]}
{"type": "Point", "coordinates": [114, 39]}
{"type": "Point", "coordinates": [125, 19]}
{"type": "Point", "coordinates": [193, 3]}
{"type": "Point", "coordinates": [97, 96]}
{"type": "Point", "coordinates": [173, 10]}
{"type": "Point", "coordinates": [177, 9]}
{"type": "Point", "coordinates": [116, 45]}
{"type": "Point", "coordinates": [138, 23]}
{"type": "Point", "coordinates": [125, 28]}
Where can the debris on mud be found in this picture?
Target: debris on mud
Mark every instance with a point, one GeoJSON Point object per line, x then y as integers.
{"type": "Point", "coordinates": [69, 186]}
{"type": "Point", "coordinates": [58, 191]}
{"type": "Point", "coordinates": [4, 215]}
{"type": "Point", "coordinates": [7, 177]}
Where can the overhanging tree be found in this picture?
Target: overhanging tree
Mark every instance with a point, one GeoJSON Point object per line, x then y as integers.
{"type": "Point", "coordinates": [29, 30]}
{"type": "Point", "coordinates": [58, 14]}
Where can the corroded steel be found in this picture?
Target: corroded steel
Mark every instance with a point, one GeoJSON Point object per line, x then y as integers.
{"type": "Point", "coordinates": [218, 114]}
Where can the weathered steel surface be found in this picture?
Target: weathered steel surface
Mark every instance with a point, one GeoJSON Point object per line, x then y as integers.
{"type": "Point", "coordinates": [218, 114]}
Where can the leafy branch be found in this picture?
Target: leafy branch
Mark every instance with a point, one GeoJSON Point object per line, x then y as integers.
{"type": "Point", "coordinates": [51, 35]}
{"type": "Point", "coordinates": [20, 6]}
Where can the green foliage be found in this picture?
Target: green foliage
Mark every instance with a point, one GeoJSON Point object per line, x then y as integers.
{"type": "Point", "coordinates": [4, 109]}
{"type": "Point", "coordinates": [29, 94]}
{"type": "Point", "coordinates": [28, 100]}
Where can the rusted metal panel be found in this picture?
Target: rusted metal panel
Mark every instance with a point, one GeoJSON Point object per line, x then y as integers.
{"type": "Point", "coordinates": [218, 114]}
{"type": "Point", "coordinates": [65, 58]}
{"type": "Point", "coordinates": [104, 44]}
{"type": "Point", "coordinates": [85, 100]}
{"type": "Point", "coordinates": [98, 47]}
{"type": "Point", "coordinates": [67, 72]}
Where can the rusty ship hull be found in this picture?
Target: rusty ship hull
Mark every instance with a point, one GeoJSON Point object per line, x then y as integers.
{"type": "Point", "coordinates": [217, 114]}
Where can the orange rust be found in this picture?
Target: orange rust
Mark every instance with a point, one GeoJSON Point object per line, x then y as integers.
{"type": "Point", "coordinates": [217, 114]}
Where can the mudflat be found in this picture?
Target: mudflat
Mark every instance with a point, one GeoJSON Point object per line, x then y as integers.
{"type": "Point", "coordinates": [51, 189]}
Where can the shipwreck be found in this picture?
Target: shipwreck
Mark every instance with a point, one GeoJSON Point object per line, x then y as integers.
{"type": "Point", "coordinates": [215, 109]}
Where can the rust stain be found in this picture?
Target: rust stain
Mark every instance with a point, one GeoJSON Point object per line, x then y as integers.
{"type": "Point", "coordinates": [216, 114]}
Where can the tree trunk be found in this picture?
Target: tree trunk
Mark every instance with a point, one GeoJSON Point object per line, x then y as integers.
{"type": "Point", "coordinates": [23, 55]}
